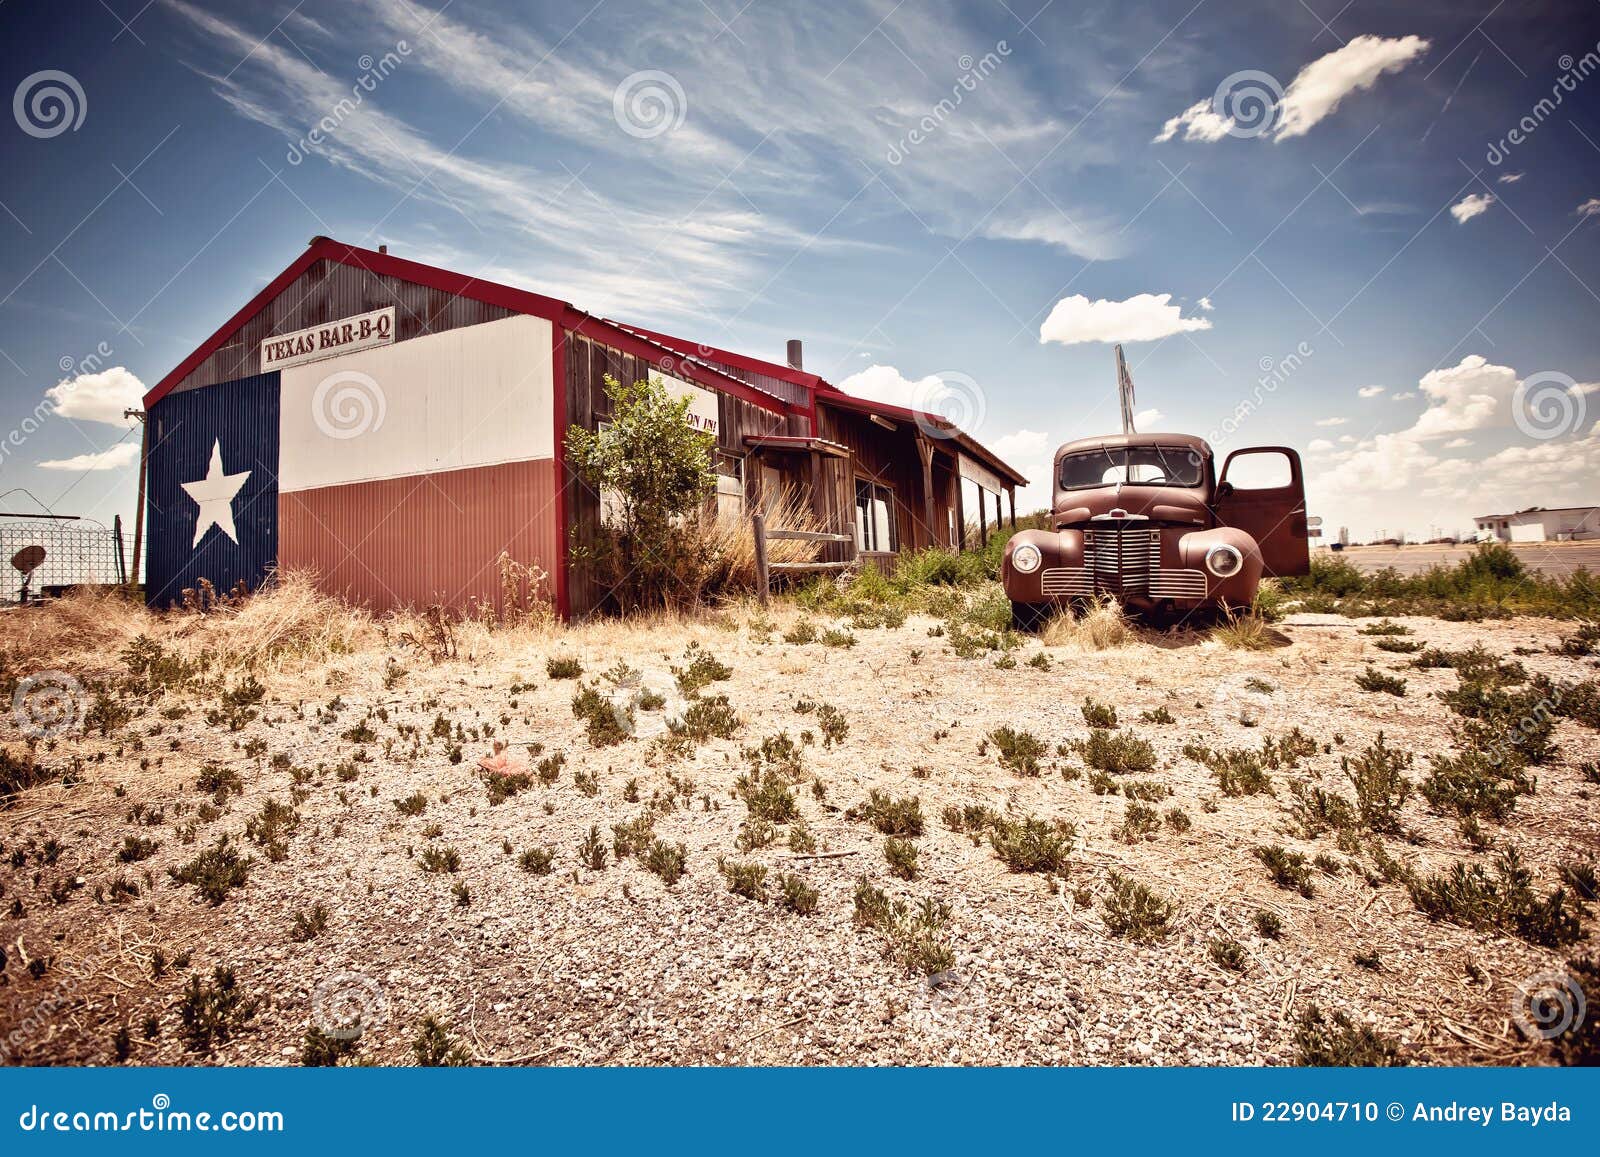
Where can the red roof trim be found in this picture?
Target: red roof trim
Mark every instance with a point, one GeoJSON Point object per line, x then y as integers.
{"type": "Point", "coordinates": [662, 357]}
{"type": "Point", "coordinates": [739, 361]}
{"type": "Point", "coordinates": [522, 301]}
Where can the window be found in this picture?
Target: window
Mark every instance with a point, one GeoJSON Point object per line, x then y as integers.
{"type": "Point", "coordinates": [875, 529]}
{"type": "Point", "coordinates": [1142, 465]}
{"type": "Point", "coordinates": [730, 485]}
{"type": "Point", "coordinates": [1260, 470]}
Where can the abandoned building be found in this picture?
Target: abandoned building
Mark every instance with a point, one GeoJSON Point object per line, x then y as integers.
{"type": "Point", "coordinates": [395, 427]}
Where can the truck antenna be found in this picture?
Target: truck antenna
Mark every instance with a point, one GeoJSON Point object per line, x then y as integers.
{"type": "Point", "coordinates": [1125, 392]}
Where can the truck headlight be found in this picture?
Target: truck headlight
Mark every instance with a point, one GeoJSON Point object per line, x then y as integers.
{"type": "Point", "coordinates": [1223, 560]}
{"type": "Point", "coordinates": [1026, 558]}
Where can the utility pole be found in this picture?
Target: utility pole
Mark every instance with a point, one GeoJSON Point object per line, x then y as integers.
{"type": "Point", "coordinates": [1124, 391]}
{"type": "Point", "coordinates": [138, 513]}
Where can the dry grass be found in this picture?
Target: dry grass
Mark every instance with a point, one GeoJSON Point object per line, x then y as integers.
{"type": "Point", "coordinates": [1244, 632]}
{"type": "Point", "coordinates": [727, 543]}
{"type": "Point", "coordinates": [1098, 627]}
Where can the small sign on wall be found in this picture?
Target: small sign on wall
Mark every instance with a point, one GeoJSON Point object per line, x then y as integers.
{"type": "Point", "coordinates": [702, 413]}
{"type": "Point", "coordinates": [363, 331]}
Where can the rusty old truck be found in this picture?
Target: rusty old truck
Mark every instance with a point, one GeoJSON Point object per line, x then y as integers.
{"type": "Point", "coordinates": [1145, 519]}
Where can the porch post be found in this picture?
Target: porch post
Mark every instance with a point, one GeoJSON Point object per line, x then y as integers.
{"type": "Point", "coordinates": [925, 452]}
{"type": "Point", "coordinates": [1011, 493]}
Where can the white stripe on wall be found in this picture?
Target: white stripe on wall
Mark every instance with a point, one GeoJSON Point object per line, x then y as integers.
{"type": "Point", "coordinates": [474, 396]}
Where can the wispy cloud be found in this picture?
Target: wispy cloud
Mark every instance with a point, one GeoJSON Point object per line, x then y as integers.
{"type": "Point", "coordinates": [1470, 206]}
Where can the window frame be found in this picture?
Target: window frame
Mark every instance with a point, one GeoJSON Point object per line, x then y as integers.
{"type": "Point", "coordinates": [866, 527]}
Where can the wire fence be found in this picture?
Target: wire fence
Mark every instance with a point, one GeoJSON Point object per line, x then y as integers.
{"type": "Point", "coordinates": [76, 553]}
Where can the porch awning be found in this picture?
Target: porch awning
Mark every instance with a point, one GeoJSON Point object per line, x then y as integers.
{"type": "Point", "coordinates": [797, 443]}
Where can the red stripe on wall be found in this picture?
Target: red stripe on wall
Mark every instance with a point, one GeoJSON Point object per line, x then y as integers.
{"type": "Point", "coordinates": [424, 538]}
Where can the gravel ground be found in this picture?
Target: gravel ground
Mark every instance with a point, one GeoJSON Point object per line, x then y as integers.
{"type": "Point", "coordinates": [613, 967]}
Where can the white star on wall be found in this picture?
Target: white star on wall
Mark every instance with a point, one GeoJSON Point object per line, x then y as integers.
{"type": "Point", "coordinates": [214, 495]}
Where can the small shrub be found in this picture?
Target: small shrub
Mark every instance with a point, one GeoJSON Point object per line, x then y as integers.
{"type": "Point", "coordinates": [215, 872]}
{"type": "Point", "coordinates": [319, 1050]}
{"type": "Point", "coordinates": [213, 1012]}
{"type": "Point", "coordinates": [136, 848]}
{"type": "Point", "coordinates": [1377, 775]}
{"type": "Point", "coordinates": [1267, 924]}
{"type": "Point", "coordinates": [1287, 869]}
{"type": "Point", "coordinates": [592, 850]}
{"type": "Point", "coordinates": [1159, 715]}
{"type": "Point", "coordinates": [1375, 680]}
{"type": "Point", "coordinates": [537, 861]}
{"type": "Point", "coordinates": [1139, 822]}
{"type": "Point", "coordinates": [1339, 1042]}
{"type": "Point", "coordinates": [1226, 952]}
{"type": "Point", "coordinates": [768, 798]}
{"type": "Point", "coordinates": [902, 857]}
{"type": "Point", "coordinates": [1097, 714]}
{"type": "Point", "coordinates": [747, 879]}
{"type": "Point", "coordinates": [796, 895]}
{"type": "Point", "coordinates": [310, 924]}
{"type": "Point", "coordinates": [1031, 845]}
{"type": "Point", "coordinates": [1134, 911]}
{"type": "Point", "coordinates": [434, 1047]}
{"type": "Point", "coordinates": [412, 805]}
{"type": "Point", "coordinates": [439, 859]}
{"type": "Point", "coordinates": [1020, 751]}
{"type": "Point", "coordinates": [562, 667]}
{"type": "Point", "coordinates": [669, 861]}
{"type": "Point", "coordinates": [892, 817]}
{"type": "Point", "coordinates": [1504, 901]}
{"type": "Point", "coordinates": [1118, 754]}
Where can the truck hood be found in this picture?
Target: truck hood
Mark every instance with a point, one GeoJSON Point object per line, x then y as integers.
{"type": "Point", "coordinates": [1163, 504]}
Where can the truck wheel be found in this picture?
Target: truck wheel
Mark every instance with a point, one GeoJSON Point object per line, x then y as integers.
{"type": "Point", "coordinates": [1027, 617]}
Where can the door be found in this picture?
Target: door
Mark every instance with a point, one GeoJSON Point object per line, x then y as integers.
{"type": "Point", "coordinates": [1262, 492]}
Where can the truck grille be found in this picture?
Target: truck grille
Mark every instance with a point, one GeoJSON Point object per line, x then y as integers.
{"type": "Point", "coordinates": [1122, 562]}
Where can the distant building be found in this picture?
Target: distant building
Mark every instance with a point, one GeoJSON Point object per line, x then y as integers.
{"type": "Point", "coordinates": [1561, 523]}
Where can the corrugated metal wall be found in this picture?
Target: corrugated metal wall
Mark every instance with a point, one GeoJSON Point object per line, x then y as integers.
{"type": "Point", "coordinates": [422, 539]}
{"type": "Point", "coordinates": [239, 418]}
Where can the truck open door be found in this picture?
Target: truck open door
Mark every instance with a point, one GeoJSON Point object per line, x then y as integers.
{"type": "Point", "coordinates": [1262, 492]}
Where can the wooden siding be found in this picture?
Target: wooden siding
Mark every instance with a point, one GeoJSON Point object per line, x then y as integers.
{"type": "Point", "coordinates": [325, 292]}
{"type": "Point", "coordinates": [889, 457]}
{"type": "Point", "coordinates": [587, 364]}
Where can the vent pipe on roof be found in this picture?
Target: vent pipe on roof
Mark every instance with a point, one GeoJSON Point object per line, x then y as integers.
{"type": "Point", "coordinates": [794, 354]}
{"type": "Point", "coordinates": [383, 249]}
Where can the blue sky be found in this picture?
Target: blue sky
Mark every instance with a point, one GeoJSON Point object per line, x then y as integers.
{"type": "Point", "coordinates": [1310, 225]}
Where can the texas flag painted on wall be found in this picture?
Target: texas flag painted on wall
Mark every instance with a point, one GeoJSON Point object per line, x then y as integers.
{"type": "Point", "coordinates": [213, 487]}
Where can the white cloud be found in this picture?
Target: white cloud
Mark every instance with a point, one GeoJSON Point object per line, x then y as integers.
{"type": "Point", "coordinates": [1404, 396]}
{"type": "Point", "coordinates": [1319, 446]}
{"type": "Point", "coordinates": [119, 456]}
{"type": "Point", "coordinates": [1145, 420]}
{"type": "Point", "coordinates": [1199, 122]}
{"type": "Point", "coordinates": [1052, 228]}
{"type": "Point", "coordinates": [1457, 443]}
{"type": "Point", "coordinates": [1463, 397]}
{"type": "Point", "coordinates": [1319, 87]}
{"type": "Point", "coordinates": [1022, 445]}
{"type": "Point", "coordinates": [1332, 421]}
{"type": "Point", "coordinates": [97, 397]}
{"type": "Point", "coordinates": [1347, 439]}
{"type": "Point", "coordinates": [1142, 317]}
{"type": "Point", "coordinates": [1470, 206]}
{"type": "Point", "coordinates": [1370, 391]}
{"type": "Point", "coordinates": [1589, 208]}
{"type": "Point", "coordinates": [887, 384]}
{"type": "Point", "coordinates": [1509, 178]}
{"type": "Point", "coordinates": [1205, 304]}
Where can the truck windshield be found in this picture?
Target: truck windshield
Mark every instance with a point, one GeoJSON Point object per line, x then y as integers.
{"type": "Point", "coordinates": [1141, 465]}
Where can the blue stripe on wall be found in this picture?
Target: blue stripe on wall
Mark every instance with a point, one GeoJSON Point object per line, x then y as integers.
{"type": "Point", "coordinates": [242, 418]}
